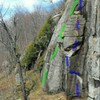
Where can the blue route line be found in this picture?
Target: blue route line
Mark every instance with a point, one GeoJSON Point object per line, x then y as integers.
{"type": "Point", "coordinates": [77, 25]}
{"type": "Point", "coordinates": [75, 45]}
{"type": "Point", "coordinates": [80, 5]}
{"type": "Point", "coordinates": [73, 72]}
{"type": "Point", "coordinates": [67, 61]}
{"type": "Point", "coordinates": [77, 90]}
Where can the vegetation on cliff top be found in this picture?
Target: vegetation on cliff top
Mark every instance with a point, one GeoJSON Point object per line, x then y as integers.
{"type": "Point", "coordinates": [40, 43]}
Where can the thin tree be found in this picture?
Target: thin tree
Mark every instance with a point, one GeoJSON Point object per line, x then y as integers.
{"type": "Point", "coordinates": [9, 40]}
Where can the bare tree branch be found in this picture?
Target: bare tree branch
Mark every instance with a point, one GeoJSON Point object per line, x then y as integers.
{"type": "Point", "coordinates": [11, 47]}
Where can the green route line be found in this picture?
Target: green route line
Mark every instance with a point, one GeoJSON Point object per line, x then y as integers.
{"type": "Point", "coordinates": [60, 36]}
{"type": "Point", "coordinates": [62, 30]}
{"type": "Point", "coordinates": [55, 52]}
{"type": "Point", "coordinates": [44, 77]}
{"type": "Point", "coordinates": [73, 7]}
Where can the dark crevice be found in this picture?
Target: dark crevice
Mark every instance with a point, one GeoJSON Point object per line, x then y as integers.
{"type": "Point", "coordinates": [85, 40]}
{"type": "Point", "coordinates": [91, 98]}
{"type": "Point", "coordinates": [71, 46]}
{"type": "Point", "coordinates": [96, 83]}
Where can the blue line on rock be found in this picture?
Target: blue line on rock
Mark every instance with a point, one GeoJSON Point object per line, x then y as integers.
{"type": "Point", "coordinates": [75, 45]}
{"type": "Point", "coordinates": [80, 5]}
{"type": "Point", "coordinates": [77, 25]}
{"type": "Point", "coordinates": [73, 72]}
{"type": "Point", "coordinates": [67, 61]}
{"type": "Point", "coordinates": [77, 90]}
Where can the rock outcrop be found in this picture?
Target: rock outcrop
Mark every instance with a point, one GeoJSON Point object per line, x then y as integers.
{"type": "Point", "coordinates": [73, 55]}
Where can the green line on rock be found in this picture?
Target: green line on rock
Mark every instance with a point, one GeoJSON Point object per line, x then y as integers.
{"type": "Point", "coordinates": [62, 30]}
{"type": "Point", "coordinates": [44, 77]}
{"type": "Point", "coordinates": [55, 52]}
{"type": "Point", "coordinates": [73, 7]}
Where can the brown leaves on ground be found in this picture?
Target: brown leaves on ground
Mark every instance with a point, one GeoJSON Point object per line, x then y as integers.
{"type": "Point", "coordinates": [38, 94]}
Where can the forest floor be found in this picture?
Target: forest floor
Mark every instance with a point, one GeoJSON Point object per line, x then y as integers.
{"type": "Point", "coordinates": [33, 86]}
{"type": "Point", "coordinates": [8, 85]}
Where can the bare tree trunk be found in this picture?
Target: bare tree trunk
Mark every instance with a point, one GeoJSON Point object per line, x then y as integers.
{"type": "Point", "coordinates": [13, 52]}
{"type": "Point", "coordinates": [22, 83]}
{"type": "Point", "coordinates": [21, 78]}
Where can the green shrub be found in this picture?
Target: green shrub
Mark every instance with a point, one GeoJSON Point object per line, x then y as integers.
{"type": "Point", "coordinates": [40, 43]}
{"type": "Point", "coordinates": [29, 53]}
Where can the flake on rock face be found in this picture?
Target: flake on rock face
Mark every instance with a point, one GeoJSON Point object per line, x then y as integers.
{"type": "Point", "coordinates": [95, 67]}
{"type": "Point", "coordinates": [55, 73]}
{"type": "Point", "coordinates": [71, 26]}
{"type": "Point", "coordinates": [97, 97]}
{"type": "Point", "coordinates": [91, 87]}
{"type": "Point", "coordinates": [94, 52]}
{"type": "Point", "coordinates": [90, 98]}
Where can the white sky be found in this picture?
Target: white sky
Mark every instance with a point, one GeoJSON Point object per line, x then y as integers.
{"type": "Point", "coordinates": [26, 3]}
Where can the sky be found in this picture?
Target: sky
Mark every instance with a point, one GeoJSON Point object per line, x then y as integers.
{"type": "Point", "coordinates": [11, 4]}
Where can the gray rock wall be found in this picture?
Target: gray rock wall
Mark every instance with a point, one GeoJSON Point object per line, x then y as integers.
{"type": "Point", "coordinates": [80, 75]}
{"type": "Point", "coordinates": [93, 55]}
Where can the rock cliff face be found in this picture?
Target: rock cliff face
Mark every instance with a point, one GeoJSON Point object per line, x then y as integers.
{"type": "Point", "coordinates": [72, 60]}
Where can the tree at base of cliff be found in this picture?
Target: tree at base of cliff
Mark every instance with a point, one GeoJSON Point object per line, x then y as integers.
{"type": "Point", "coordinates": [39, 43]}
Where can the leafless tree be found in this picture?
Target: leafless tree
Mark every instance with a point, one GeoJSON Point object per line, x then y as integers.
{"type": "Point", "coordinates": [29, 24]}
{"type": "Point", "coordinates": [21, 28]}
{"type": "Point", "coordinates": [9, 39]}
